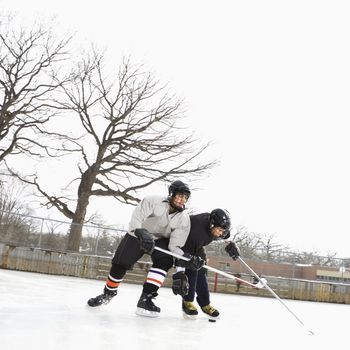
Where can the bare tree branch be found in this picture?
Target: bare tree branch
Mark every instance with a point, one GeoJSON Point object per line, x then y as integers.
{"type": "Point", "coordinates": [135, 127]}
{"type": "Point", "coordinates": [30, 60]}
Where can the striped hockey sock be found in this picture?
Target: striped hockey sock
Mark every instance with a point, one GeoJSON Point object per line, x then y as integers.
{"type": "Point", "coordinates": [112, 283]}
{"type": "Point", "coordinates": [156, 276]}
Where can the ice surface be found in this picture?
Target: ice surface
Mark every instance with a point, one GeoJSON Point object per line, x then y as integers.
{"type": "Point", "coordinates": [39, 311]}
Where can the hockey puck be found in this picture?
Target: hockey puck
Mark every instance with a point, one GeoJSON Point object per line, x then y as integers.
{"type": "Point", "coordinates": [211, 320]}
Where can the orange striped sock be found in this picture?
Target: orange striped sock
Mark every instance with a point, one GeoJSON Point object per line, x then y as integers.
{"type": "Point", "coordinates": [112, 283]}
{"type": "Point", "coordinates": [156, 276]}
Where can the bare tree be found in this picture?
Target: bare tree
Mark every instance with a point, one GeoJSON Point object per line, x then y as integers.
{"type": "Point", "coordinates": [315, 258]}
{"type": "Point", "coordinates": [29, 63]}
{"type": "Point", "coordinates": [248, 242]}
{"type": "Point", "coordinates": [14, 222]}
{"type": "Point", "coordinates": [270, 248]}
{"type": "Point", "coordinates": [12, 197]}
{"type": "Point", "coordinates": [133, 137]}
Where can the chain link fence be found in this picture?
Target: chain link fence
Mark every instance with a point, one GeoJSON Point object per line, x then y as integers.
{"type": "Point", "coordinates": [44, 233]}
{"type": "Point", "coordinates": [37, 232]}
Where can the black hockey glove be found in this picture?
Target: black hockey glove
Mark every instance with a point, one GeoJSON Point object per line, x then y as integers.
{"type": "Point", "coordinates": [145, 239]}
{"type": "Point", "coordinates": [180, 284]}
{"type": "Point", "coordinates": [232, 250]}
{"type": "Point", "coordinates": [195, 262]}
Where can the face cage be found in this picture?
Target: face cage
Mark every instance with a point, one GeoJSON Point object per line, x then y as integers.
{"type": "Point", "coordinates": [177, 208]}
{"type": "Point", "coordinates": [225, 235]}
{"type": "Point", "coordinates": [188, 194]}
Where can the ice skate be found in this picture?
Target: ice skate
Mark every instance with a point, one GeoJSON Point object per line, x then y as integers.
{"type": "Point", "coordinates": [189, 310]}
{"type": "Point", "coordinates": [210, 311]}
{"type": "Point", "coordinates": [146, 307]}
{"type": "Point", "coordinates": [101, 299]}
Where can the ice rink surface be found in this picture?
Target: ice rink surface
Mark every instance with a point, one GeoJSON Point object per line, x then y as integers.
{"type": "Point", "coordinates": [39, 311]}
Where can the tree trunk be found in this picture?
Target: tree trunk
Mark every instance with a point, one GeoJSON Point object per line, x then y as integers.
{"type": "Point", "coordinates": [75, 233]}
{"type": "Point", "coordinates": [76, 227]}
{"type": "Point", "coordinates": [84, 192]}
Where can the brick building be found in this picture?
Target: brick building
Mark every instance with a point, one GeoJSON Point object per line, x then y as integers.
{"type": "Point", "coordinates": [287, 270]}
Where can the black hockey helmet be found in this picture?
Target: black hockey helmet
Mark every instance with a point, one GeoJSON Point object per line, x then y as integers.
{"type": "Point", "coordinates": [221, 218]}
{"type": "Point", "coordinates": [175, 188]}
{"type": "Point", "coordinates": [178, 187]}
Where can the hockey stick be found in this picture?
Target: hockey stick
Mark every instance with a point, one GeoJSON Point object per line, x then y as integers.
{"type": "Point", "coordinates": [264, 283]}
{"type": "Point", "coordinates": [219, 272]}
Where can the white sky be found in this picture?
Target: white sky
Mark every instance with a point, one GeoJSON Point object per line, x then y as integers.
{"type": "Point", "coordinates": [267, 81]}
{"type": "Point", "coordinates": [52, 314]}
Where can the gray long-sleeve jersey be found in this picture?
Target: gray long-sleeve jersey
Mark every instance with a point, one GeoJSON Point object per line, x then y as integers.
{"type": "Point", "coordinates": [152, 214]}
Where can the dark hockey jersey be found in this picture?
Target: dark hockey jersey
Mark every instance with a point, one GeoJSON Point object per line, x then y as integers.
{"type": "Point", "coordinates": [199, 236]}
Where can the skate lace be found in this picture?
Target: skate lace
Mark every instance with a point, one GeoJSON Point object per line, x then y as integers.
{"type": "Point", "coordinates": [149, 300]}
{"type": "Point", "coordinates": [209, 309]}
{"type": "Point", "coordinates": [102, 297]}
{"type": "Point", "coordinates": [106, 296]}
{"type": "Point", "coordinates": [190, 306]}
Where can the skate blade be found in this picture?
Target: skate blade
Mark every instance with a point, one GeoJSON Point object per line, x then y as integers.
{"type": "Point", "coordinates": [146, 313]}
{"type": "Point", "coordinates": [189, 317]}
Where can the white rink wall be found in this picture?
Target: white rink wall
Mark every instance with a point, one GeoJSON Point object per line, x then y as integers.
{"type": "Point", "coordinates": [91, 266]}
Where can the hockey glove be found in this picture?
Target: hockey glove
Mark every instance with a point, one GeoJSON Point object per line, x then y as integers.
{"type": "Point", "coordinates": [180, 284]}
{"type": "Point", "coordinates": [232, 250]}
{"type": "Point", "coordinates": [145, 239]}
{"type": "Point", "coordinates": [195, 262]}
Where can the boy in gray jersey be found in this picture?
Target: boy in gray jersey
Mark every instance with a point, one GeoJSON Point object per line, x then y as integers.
{"type": "Point", "coordinates": [159, 221]}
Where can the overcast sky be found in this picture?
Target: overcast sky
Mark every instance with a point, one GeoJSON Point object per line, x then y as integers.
{"type": "Point", "coordinates": [267, 81]}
